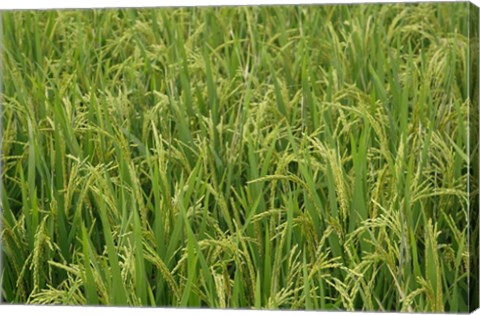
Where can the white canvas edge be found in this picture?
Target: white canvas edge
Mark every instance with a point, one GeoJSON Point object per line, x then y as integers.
{"type": "Point", "coordinates": [47, 4]}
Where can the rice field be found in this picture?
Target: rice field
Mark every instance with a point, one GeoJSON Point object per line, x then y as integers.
{"type": "Point", "coordinates": [319, 157]}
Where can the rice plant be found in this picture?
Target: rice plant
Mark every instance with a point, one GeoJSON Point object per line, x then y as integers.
{"type": "Point", "coordinates": [318, 157]}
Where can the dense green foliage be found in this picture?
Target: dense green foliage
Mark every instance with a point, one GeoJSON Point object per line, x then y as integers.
{"type": "Point", "coordinates": [303, 157]}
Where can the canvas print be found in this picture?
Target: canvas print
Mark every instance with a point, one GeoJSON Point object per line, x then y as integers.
{"type": "Point", "coordinates": [305, 157]}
